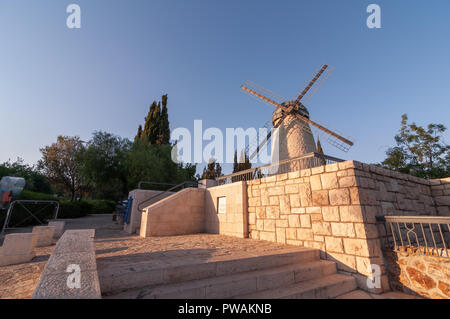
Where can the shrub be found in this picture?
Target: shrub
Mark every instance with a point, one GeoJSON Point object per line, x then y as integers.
{"type": "Point", "coordinates": [101, 206]}
{"type": "Point", "coordinates": [28, 195]}
{"type": "Point", "coordinates": [19, 215]}
{"type": "Point", "coordinates": [68, 209]}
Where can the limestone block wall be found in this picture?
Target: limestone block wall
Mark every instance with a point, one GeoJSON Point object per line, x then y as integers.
{"type": "Point", "coordinates": [140, 195]}
{"type": "Point", "coordinates": [440, 189]}
{"type": "Point", "coordinates": [333, 208]}
{"type": "Point", "coordinates": [179, 214]}
{"type": "Point", "coordinates": [234, 221]}
{"type": "Point", "coordinates": [427, 276]}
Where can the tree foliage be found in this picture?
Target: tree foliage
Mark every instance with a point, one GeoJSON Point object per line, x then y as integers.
{"type": "Point", "coordinates": [103, 164]}
{"type": "Point", "coordinates": [212, 170]}
{"type": "Point", "coordinates": [156, 128]}
{"type": "Point", "coordinates": [243, 163]}
{"type": "Point", "coordinates": [420, 151]}
{"type": "Point", "coordinates": [146, 162]}
{"type": "Point", "coordinates": [35, 181]}
{"type": "Point", "coordinates": [60, 163]}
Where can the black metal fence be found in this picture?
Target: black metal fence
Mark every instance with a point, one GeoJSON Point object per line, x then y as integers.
{"type": "Point", "coordinates": [423, 235]}
{"type": "Point", "coordinates": [291, 165]}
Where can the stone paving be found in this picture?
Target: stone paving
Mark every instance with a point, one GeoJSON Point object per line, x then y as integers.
{"type": "Point", "coordinates": [115, 250]}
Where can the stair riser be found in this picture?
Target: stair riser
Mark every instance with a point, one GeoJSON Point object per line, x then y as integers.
{"type": "Point", "coordinates": [251, 284]}
{"type": "Point", "coordinates": [141, 279]}
{"type": "Point", "coordinates": [326, 292]}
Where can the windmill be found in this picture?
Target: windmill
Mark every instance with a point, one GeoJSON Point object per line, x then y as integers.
{"type": "Point", "coordinates": [291, 132]}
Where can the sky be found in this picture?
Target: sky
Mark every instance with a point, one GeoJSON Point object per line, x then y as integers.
{"type": "Point", "coordinates": [104, 76]}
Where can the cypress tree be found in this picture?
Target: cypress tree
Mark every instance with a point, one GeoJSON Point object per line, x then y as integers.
{"type": "Point", "coordinates": [149, 124]}
{"type": "Point", "coordinates": [164, 125]}
{"type": "Point", "coordinates": [139, 134]}
{"type": "Point", "coordinates": [320, 151]}
{"type": "Point", "coordinates": [156, 128]}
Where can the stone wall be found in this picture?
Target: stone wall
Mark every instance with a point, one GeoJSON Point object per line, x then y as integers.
{"type": "Point", "coordinates": [139, 196]}
{"type": "Point", "coordinates": [234, 221]}
{"type": "Point", "coordinates": [426, 276]}
{"type": "Point", "coordinates": [440, 189]}
{"type": "Point", "coordinates": [178, 214]}
{"type": "Point", "coordinates": [333, 208]}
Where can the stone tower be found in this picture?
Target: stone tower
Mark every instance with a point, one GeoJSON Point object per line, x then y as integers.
{"type": "Point", "coordinates": [292, 139]}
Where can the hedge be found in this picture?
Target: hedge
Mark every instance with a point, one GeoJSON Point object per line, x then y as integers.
{"type": "Point", "coordinates": [67, 209]}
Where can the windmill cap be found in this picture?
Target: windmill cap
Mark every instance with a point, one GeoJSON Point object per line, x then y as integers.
{"type": "Point", "coordinates": [299, 108]}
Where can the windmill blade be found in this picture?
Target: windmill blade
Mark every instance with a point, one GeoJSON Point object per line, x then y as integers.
{"type": "Point", "coordinates": [319, 83]}
{"type": "Point", "coordinates": [264, 141]}
{"type": "Point", "coordinates": [263, 91]}
{"type": "Point", "coordinates": [311, 83]}
{"type": "Point", "coordinates": [331, 137]}
{"type": "Point", "coordinates": [261, 145]}
{"type": "Point", "coordinates": [262, 97]}
{"type": "Point", "coordinates": [253, 144]}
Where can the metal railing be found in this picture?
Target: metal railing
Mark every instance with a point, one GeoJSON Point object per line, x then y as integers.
{"type": "Point", "coordinates": [154, 184]}
{"type": "Point", "coordinates": [422, 235]}
{"type": "Point", "coordinates": [32, 214]}
{"type": "Point", "coordinates": [290, 165]}
{"type": "Point", "coordinates": [181, 186]}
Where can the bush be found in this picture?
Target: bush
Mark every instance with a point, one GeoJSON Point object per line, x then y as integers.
{"type": "Point", "coordinates": [28, 195]}
{"type": "Point", "coordinates": [67, 209]}
{"type": "Point", "coordinates": [21, 218]}
{"type": "Point", "coordinates": [101, 206]}
{"type": "Point", "coordinates": [76, 209]}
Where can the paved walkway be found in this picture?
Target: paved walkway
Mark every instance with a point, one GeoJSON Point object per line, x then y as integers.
{"type": "Point", "coordinates": [117, 251]}
{"type": "Point", "coordinates": [360, 294]}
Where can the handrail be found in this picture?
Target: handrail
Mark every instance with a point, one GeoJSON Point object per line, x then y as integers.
{"type": "Point", "coordinates": [166, 191]}
{"type": "Point", "coordinates": [154, 183]}
{"type": "Point", "coordinates": [30, 213]}
{"type": "Point", "coordinates": [423, 235]}
{"type": "Point", "coordinates": [256, 172]}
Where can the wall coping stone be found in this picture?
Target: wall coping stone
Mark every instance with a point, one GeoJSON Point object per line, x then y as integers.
{"type": "Point", "coordinates": [74, 247]}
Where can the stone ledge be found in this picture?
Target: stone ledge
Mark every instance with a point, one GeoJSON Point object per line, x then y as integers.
{"type": "Point", "coordinates": [75, 247]}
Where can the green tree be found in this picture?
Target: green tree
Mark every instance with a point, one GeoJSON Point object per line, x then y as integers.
{"type": "Point", "coordinates": [151, 125]}
{"type": "Point", "coordinates": [164, 126]}
{"type": "Point", "coordinates": [103, 165]}
{"type": "Point", "coordinates": [243, 163]}
{"type": "Point", "coordinates": [60, 163]}
{"type": "Point", "coordinates": [420, 151]}
{"type": "Point", "coordinates": [139, 133]}
{"type": "Point", "coordinates": [320, 151]}
{"type": "Point", "coordinates": [157, 127]}
{"type": "Point", "coordinates": [212, 170]}
{"type": "Point", "coordinates": [35, 181]}
{"type": "Point", "coordinates": [147, 162]}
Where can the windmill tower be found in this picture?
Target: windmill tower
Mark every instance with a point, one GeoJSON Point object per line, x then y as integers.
{"type": "Point", "coordinates": [291, 134]}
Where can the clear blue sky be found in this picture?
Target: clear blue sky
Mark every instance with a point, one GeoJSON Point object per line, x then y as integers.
{"type": "Point", "coordinates": [104, 76]}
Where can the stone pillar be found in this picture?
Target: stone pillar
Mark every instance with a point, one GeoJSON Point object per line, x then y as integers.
{"type": "Point", "coordinates": [44, 235]}
{"type": "Point", "coordinates": [206, 183]}
{"type": "Point", "coordinates": [17, 248]}
{"type": "Point", "coordinates": [59, 227]}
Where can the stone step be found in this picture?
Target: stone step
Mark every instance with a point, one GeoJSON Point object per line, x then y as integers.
{"type": "Point", "coordinates": [229, 286]}
{"type": "Point", "coordinates": [147, 274]}
{"type": "Point", "coordinates": [326, 287]}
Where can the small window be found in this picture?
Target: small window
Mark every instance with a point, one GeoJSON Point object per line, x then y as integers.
{"type": "Point", "coordinates": [221, 205]}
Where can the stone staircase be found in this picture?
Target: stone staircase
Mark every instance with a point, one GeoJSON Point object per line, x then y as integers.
{"type": "Point", "coordinates": [293, 273]}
